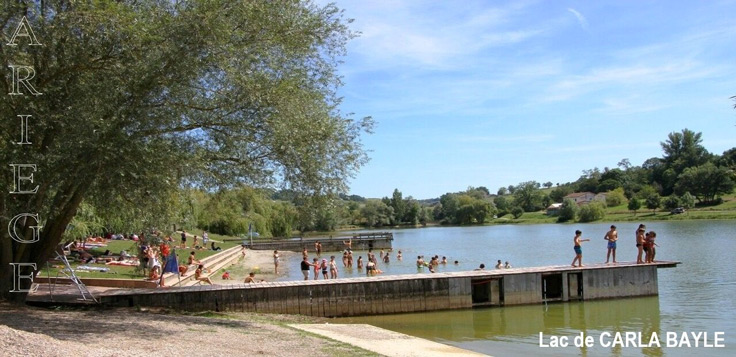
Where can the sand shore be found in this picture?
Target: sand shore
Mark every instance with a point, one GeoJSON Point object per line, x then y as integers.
{"type": "Point", "coordinates": [258, 261]}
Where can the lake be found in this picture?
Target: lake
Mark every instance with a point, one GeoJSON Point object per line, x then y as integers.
{"type": "Point", "coordinates": [697, 296]}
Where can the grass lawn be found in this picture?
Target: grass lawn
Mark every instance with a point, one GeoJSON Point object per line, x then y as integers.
{"type": "Point", "coordinates": [123, 272]}
{"type": "Point", "coordinates": [115, 272]}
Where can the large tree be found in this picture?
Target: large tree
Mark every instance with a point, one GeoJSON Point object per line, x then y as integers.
{"type": "Point", "coordinates": [681, 150]}
{"type": "Point", "coordinates": [142, 97]}
{"type": "Point", "coordinates": [706, 182]}
{"type": "Point", "coordinates": [528, 196]}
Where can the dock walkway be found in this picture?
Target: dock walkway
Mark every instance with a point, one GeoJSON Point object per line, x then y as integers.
{"type": "Point", "coordinates": [402, 293]}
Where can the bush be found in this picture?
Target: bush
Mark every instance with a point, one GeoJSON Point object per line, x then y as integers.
{"type": "Point", "coordinates": [593, 211]}
{"type": "Point", "coordinates": [517, 211]}
{"type": "Point", "coordinates": [672, 202]}
{"type": "Point", "coordinates": [687, 200]}
{"type": "Point", "coordinates": [634, 204]}
{"type": "Point", "coordinates": [568, 211]}
{"type": "Point", "coordinates": [615, 197]}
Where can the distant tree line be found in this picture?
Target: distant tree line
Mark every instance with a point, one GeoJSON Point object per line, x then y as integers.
{"type": "Point", "coordinates": [684, 176]}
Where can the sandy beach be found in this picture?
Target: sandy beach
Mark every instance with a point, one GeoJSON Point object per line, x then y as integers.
{"type": "Point", "coordinates": [259, 262]}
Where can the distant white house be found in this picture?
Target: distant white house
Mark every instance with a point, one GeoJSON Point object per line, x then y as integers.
{"type": "Point", "coordinates": [600, 197]}
{"type": "Point", "coordinates": [582, 198]}
{"type": "Point", "coordinates": [554, 209]}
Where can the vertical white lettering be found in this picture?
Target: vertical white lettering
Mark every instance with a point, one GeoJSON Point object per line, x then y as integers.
{"type": "Point", "coordinates": [25, 81]}
{"type": "Point", "coordinates": [14, 234]}
{"type": "Point", "coordinates": [23, 130]}
{"type": "Point", "coordinates": [18, 177]}
{"type": "Point", "coordinates": [24, 30]}
{"type": "Point", "coordinates": [17, 276]}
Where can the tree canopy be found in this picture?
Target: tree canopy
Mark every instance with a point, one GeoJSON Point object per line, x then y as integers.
{"type": "Point", "coordinates": [140, 98]}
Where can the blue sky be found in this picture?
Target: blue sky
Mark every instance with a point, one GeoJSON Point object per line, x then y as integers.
{"type": "Point", "coordinates": [493, 93]}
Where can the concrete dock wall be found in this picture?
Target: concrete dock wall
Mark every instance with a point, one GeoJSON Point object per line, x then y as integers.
{"type": "Point", "coordinates": [405, 293]}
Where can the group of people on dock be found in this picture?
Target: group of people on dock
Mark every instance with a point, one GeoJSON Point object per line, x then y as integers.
{"type": "Point", "coordinates": [644, 243]}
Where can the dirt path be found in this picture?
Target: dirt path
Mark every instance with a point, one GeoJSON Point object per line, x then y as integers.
{"type": "Point", "coordinates": [27, 331]}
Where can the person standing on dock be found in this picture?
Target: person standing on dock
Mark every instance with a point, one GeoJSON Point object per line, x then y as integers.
{"type": "Point", "coordinates": [276, 262]}
{"type": "Point", "coordinates": [611, 236]}
{"type": "Point", "coordinates": [649, 247]}
{"type": "Point", "coordinates": [578, 250]}
{"type": "Point", "coordinates": [640, 242]}
{"type": "Point", "coordinates": [318, 248]}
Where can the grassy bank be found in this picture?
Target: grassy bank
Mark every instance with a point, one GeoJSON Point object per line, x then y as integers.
{"type": "Point", "coordinates": [725, 210]}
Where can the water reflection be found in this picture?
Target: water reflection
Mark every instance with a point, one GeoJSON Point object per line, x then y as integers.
{"type": "Point", "coordinates": [513, 330]}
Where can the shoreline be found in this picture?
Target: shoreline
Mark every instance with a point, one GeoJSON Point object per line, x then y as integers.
{"type": "Point", "coordinates": [259, 262]}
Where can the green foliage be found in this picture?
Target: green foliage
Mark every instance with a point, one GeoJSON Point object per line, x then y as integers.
{"type": "Point", "coordinates": [141, 99]}
{"type": "Point", "coordinates": [528, 196]}
{"type": "Point", "coordinates": [230, 212]}
{"type": "Point", "coordinates": [84, 224]}
{"type": "Point", "coordinates": [634, 204]}
{"type": "Point", "coordinates": [558, 193]}
{"type": "Point", "coordinates": [615, 197]}
{"type": "Point", "coordinates": [671, 202]}
{"type": "Point", "coordinates": [502, 204]}
{"type": "Point", "coordinates": [653, 202]}
{"type": "Point", "coordinates": [465, 208]}
{"type": "Point", "coordinates": [687, 200]}
{"type": "Point", "coordinates": [593, 211]}
{"type": "Point", "coordinates": [517, 212]}
{"type": "Point", "coordinates": [705, 182]}
{"type": "Point", "coordinates": [568, 211]}
{"type": "Point", "coordinates": [376, 213]}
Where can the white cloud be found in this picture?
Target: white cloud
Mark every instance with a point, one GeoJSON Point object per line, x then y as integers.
{"type": "Point", "coordinates": [581, 19]}
{"type": "Point", "coordinates": [433, 37]}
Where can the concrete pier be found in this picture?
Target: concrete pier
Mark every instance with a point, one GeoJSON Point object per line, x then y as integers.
{"type": "Point", "coordinates": [406, 293]}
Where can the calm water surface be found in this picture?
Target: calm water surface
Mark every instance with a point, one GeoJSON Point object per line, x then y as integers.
{"type": "Point", "coordinates": [698, 295]}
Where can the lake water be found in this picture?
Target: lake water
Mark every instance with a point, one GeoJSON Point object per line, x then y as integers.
{"type": "Point", "coordinates": [698, 295]}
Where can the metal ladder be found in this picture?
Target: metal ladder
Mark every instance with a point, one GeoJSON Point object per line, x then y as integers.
{"type": "Point", "coordinates": [72, 276]}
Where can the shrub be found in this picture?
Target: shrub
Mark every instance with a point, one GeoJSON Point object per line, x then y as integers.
{"type": "Point", "coordinates": [593, 211]}
{"type": "Point", "coordinates": [517, 211]}
{"type": "Point", "coordinates": [615, 197]}
{"type": "Point", "coordinates": [671, 202]}
{"type": "Point", "coordinates": [568, 211]}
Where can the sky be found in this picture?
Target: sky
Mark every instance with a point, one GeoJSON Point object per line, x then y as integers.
{"type": "Point", "coordinates": [494, 93]}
